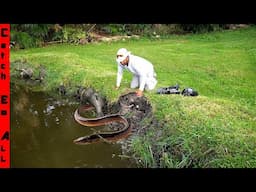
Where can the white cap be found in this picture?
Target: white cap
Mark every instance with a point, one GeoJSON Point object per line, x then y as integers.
{"type": "Point", "coordinates": [122, 53]}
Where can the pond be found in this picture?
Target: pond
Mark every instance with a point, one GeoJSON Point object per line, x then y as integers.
{"type": "Point", "coordinates": [42, 134]}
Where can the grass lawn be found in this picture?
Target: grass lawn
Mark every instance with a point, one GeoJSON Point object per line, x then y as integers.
{"type": "Point", "coordinates": [215, 129]}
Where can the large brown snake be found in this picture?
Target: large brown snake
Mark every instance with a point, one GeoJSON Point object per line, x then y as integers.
{"type": "Point", "coordinates": [101, 121]}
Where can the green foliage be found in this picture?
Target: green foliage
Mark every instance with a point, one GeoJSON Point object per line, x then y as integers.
{"type": "Point", "coordinates": [138, 29]}
{"type": "Point", "coordinates": [111, 29]}
{"type": "Point", "coordinates": [55, 33]}
{"type": "Point", "coordinates": [201, 28]}
{"type": "Point", "coordinates": [23, 40]}
{"type": "Point", "coordinates": [159, 29]}
{"type": "Point", "coordinates": [142, 149]}
{"type": "Point", "coordinates": [34, 35]}
{"type": "Point", "coordinates": [37, 31]}
{"type": "Point", "coordinates": [73, 35]}
{"type": "Point", "coordinates": [77, 33]}
{"type": "Point", "coordinates": [167, 29]}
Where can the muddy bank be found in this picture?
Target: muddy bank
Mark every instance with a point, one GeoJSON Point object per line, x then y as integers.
{"type": "Point", "coordinates": [137, 110]}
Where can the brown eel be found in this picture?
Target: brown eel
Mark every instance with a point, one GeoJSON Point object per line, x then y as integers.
{"type": "Point", "coordinates": [110, 136]}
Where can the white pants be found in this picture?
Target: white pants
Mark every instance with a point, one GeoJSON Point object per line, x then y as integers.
{"type": "Point", "coordinates": [150, 82]}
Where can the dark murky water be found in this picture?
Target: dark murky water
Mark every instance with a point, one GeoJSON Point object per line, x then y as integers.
{"type": "Point", "coordinates": [42, 134]}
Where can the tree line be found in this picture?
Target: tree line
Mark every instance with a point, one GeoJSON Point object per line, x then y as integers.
{"type": "Point", "coordinates": [36, 35]}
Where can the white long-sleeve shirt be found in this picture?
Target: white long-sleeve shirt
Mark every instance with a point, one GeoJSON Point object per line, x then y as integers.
{"type": "Point", "coordinates": [139, 67]}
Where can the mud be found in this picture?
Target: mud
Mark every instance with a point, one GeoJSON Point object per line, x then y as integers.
{"type": "Point", "coordinates": [137, 111]}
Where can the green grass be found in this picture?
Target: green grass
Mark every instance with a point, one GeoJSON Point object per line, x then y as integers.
{"type": "Point", "coordinates": [215, 129]}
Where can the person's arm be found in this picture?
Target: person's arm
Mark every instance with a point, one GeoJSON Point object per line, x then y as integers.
{"type": "Point", "coordinates": [119, 76]}
{"type": "Point", "coordinates": [139, 92]}
{"type": "Point", "coordinates": [142, 82]}
{"type": "Point", "coordinates": [141, 71]}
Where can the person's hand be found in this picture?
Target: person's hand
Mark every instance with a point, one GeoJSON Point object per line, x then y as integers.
{"type": "Point", "coordinates": [139, 93]}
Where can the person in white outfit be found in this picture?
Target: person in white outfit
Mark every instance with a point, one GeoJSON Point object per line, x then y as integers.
{"type": "Point", "coordinates": [144, 76]}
